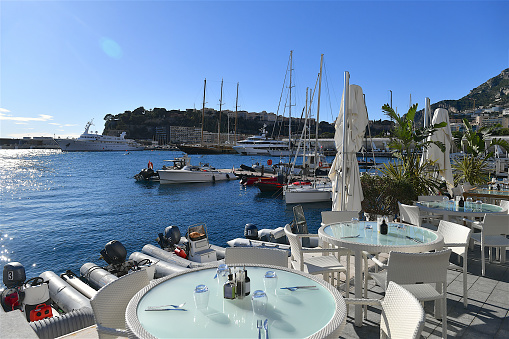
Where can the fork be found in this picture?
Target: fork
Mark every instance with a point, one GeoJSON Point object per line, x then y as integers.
{"type": "Point", "coordinates": [162, 306]}
{"type": "Point", "coordinates": [295, 288]}
{"type": "Point", "coordinates": [259, 326]}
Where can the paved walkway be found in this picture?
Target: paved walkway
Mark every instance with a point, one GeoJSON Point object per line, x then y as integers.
{"type": "Point", "coordinates": [487, 314]}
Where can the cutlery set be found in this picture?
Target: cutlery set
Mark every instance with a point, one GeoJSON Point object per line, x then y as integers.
{"type": "Point", "coordinates": [414, 239]}
{"type": "Point", "coordinates": [265, 325]}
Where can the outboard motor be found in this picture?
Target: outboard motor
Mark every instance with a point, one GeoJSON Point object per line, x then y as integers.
{"type": "Point", "coordinates": [170, 238]}
{"type": "Point", "coordinates": [13, 276]}
{"type": "Point", "coordinates": [251, 232]}
{"type": "Point", "coordinates": [114, 253]}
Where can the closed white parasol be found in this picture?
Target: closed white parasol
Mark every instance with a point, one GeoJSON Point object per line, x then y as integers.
{"type": "Point", "coordinates": [350, 128]}
{"type": "Point", "coordinates": [442, 159]}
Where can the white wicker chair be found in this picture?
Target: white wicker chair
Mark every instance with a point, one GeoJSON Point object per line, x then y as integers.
{"type": "Point", "coordinates": [410, 214]}
{"type": "Point", "coordinates": [503, 204]}
{"type": "Point", "coordinates": [329, 217]}
{"type": "Point", "coordinates": [457, 191]}
{"type": "Point", "coordinates": [422, 274]}
{"type": "Point", "coordinates": [457, 238]}
{"type": "Point", "coordinates": [110, 302]}
{"type": "Point", "coordinates": [494, 229]}
{"type": "Point", "coordinates": [324, 264]}
{"type": "Point", "coordinates": [255, 255]}
{"type": "Point", "coordinates": [402, 314]}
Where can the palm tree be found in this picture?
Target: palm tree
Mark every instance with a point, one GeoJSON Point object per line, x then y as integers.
{"type": "Point", "coordinates": [473, 167]}
{"type": "Point", "coordinates": [407, 141]}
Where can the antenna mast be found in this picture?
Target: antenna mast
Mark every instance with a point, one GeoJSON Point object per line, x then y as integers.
{"type": "Point", "coordinates": [203, 110]}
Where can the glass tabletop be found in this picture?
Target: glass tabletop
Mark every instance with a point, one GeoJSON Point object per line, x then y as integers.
{"type": "Point", "coordinates": [469, 207]}
{"type": "Point", "coordinates": [367, 232]}
{"type": "Point", "coordinates": [292, 314]}
{"type": "Point", "coordinates": [487, 191]}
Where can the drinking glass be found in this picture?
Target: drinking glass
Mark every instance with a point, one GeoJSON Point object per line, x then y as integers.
{"type": "Point", "coordinates": [468, 203]}
{"type": "Point", "coordinates": [201, 297]}
{"type": "Point", "coordinates": [222, 274]}
{"type": "Point", "coordinates": [270, 282]}
{"type": "Point", "coordinates": [479, 205]}
{"type": "Point", "coordinates": [259, 302]}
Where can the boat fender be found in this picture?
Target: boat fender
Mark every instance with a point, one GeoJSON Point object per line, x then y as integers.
{"type": "Point", "coordinates": [180, 252]}
{"type": "Point", "coordinates": [227, 176]}
{"type": "Point", "coordinates": [213, 178]}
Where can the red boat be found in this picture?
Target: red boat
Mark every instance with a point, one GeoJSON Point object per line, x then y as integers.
{"type": "Point", "coordinates": [250, 180]}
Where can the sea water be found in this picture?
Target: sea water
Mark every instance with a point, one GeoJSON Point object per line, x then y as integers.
{"type": "Point", "coordinates": [59, 209]}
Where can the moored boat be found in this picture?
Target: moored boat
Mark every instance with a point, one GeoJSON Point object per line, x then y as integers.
{"type": "Point", "coordinates": [93, 142]}
{"type": "Point", "coordinates": [183, 172]}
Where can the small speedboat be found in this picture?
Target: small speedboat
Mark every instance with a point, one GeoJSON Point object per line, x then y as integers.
{"type": "Point", "coordinates": [183, 172]}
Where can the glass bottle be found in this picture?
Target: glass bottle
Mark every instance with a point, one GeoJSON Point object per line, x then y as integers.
{"type": "Point", "coordinates": [384, 228]}
{"type": "Point", "coordinates": [229, 288]}
{"type": "Point", "coordinates": [247, 283]}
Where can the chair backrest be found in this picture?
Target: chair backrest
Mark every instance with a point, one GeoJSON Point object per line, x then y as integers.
{"type": "Point", "coordinates": [457, 191]}
{"type": "Point", "coordinates": [295, 245]}
{"type": "Point", "coordinates": [455, 234]}
{"type": "Point", "coordinates": [329, 217]}
{"type": "Point", "coordinates": [430, 198]}
{"type": "Point", "coordinates": [504, 204]}
{"type": "Point", "coordinates": [495, 224]}
{"type": "Point", "coordinates": [256, 255]}
{"type": "Point", "coordinates": [110, 302]}
{"type": "Point", "coordinates": [466, 186]}
{"type": "Point", "coordinates": [409, 214]}
{"type": "Point", "coordinates": [414, 268]}
{"type": "Point", "coordinates": [402, 314]}
{"type": "Point", "coordinates": [300, 223]}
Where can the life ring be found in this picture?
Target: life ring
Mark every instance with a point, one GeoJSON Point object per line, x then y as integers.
{"type": "Point", "coordinates": [150, 165]}
{"type": "Point", "coordinates": [269, 162]}
{"type": "Point", "coordinates": [320, 164]}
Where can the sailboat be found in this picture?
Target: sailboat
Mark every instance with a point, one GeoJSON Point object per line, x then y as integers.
{"type": "Point", "coordinates": [320, 190]}
{"type": "Point", "coordinates": [202, 148]}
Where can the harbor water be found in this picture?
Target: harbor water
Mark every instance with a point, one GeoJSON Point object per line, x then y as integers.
{"type": "Point", "coordinates": [59, 209]}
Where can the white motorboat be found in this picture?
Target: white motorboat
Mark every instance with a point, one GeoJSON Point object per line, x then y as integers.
{"type": "Point", "coordinates": [93, 142]}
{"type": "Point", "coordinates": [183, 172]}
{"type": "Point", "coordinates": [300, 194]}
{"type": "Point", "coordinates": [261, 145]}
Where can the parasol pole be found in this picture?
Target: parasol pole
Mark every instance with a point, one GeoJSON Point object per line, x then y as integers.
{"type": "Point", "coordinates": [343, 165]}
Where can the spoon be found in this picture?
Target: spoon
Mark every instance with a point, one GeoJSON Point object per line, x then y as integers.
{"type": "Point", "coordinates": [162, 306]}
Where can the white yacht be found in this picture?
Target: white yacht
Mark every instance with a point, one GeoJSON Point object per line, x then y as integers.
{"type": "Point", "coordinates": [98, 142]}
{"type": "Point", "coordinates": [261, 145]}
{"type": "Point", "coordinates": [183, 172]}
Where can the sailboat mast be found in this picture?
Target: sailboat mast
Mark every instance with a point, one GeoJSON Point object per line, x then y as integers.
{"type": "Point", "coordinates": [318, 112]}
{"type": "Point", "coordinates": [220, 110]}
{"type": "Point", "coordinates": [236, 113]}
{"type": "Point", "coordinates": [290, 107]}
{"type": "Point", "coordinates": [203, 111]}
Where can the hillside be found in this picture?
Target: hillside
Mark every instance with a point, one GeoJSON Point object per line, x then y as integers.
{"type": "Point", "coordinates": [494, 92]}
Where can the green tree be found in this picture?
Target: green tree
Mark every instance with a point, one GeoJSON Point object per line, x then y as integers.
{"type": "Point", "coordinates": [407, 141]}
{"type": "Point", "coordinates": [473, 166]}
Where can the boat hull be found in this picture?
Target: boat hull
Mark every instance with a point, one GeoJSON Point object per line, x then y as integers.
{"type": "Point", "coordinates": [176, 176]}
{"type": "Point", "coordinates": [303, 195]}
{"type": "Point", "coordinates": [72, 145]}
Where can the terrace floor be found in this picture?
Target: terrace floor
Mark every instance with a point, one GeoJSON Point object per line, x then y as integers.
{"type": "Point", "coordinates": [487, 314]}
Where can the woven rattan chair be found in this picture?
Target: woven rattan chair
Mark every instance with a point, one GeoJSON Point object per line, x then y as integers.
{"type": "Point", "coordinates": [457, 237]}
{"type": "Point", "coordinates": [410, 214]}
{"type": "Point", "coordinates": [255, 255]}
{"type": "Point", "coordinates": [422, 274]}
{"type": "Point", "coordinates": [329, 217]}
{"type": "Point", "coordinates": [110, 302]}
{"type": "Point", "coordinates": [324, 264]}
{"type": "Point", "coordinates": [494, 230]}
{"type": "Point", "coordinates": [402, 314]}
{"type": "Point", "coordinates": [504, 204]}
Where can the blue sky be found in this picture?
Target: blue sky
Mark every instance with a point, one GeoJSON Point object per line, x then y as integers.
{"type": "Point", "coordinates": [63, 63]}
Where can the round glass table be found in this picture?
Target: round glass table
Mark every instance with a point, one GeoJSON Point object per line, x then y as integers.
{"type": "Point", "coordinates": [490, 194]}
{"type": "Point", "coordinates": [452, 208]}
{"type": "Point", "coordinates": [365, 236]}
{"type": "Point", "coordinates": [317, 313]}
